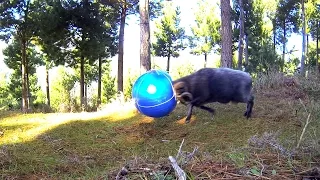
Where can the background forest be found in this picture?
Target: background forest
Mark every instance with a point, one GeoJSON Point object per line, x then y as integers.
{"type": "Point", "coordinates": [83, 42]}
{"type": "Point", "coordinates": [66, 73]}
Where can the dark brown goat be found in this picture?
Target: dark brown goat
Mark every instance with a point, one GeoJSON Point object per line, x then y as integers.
{"type": "Point", "coordinates": [209, 85]}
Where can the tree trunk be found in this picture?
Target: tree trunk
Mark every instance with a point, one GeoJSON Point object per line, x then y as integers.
{"type": "Point", "coordinates": [226, 33]}
{"type": "Point", "coordinates": [121, 41]}
{"type": "Point", "coordinates": [205, 60]}
{"type": "Point", "coordinates": [168, 61]}
{"type": "Point", "coordinates": [47, 86]}
{"type": "Point", "coordinates": [246, 53]}
{"type": "Point", "coordinates": [307, 48]}
{"type": "Point", "coordinates": [28, 84]}
{"type": "Point", "coordinates": [274, 36]}
{"type": "Point", "coordinates": [145, 62]}
{"type": "Point", "coordinates": [205, 54]}
{"type": "Point", "coordinates": [82, 83]}
{"type": "Point", "coordinates": [283, 45]}
{"type": "Point", "coordinates": [99, 82]}
{"type": "Point", "coordinates": [317, 48]}
{"type": "Point", "coordinates": [306, 61]}
{"type": "Point", "coordinates": [302, 70]}
{"type": "Point", "coordinates": [168, 64]}
{"type": "Point", "coordinates": [85, 96]}
{"type": "Point", "coordinates": [25, 104]}
{"type": "Point", "coordinates": [240, 47]}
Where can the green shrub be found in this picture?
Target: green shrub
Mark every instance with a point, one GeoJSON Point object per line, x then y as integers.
{"type": "Point", "coordinates": [181, 71]}
{"type": "Point", "coordinates": [60, 90]}
{"type": "Point", "coordinates": [109, 90]}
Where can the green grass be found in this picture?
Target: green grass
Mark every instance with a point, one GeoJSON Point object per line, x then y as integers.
{"type": "Point", "coordinates": [92, 145]}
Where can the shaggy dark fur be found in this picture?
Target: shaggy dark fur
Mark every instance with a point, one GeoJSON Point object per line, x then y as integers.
{"type": "Point", "coordinates": [209, 85]}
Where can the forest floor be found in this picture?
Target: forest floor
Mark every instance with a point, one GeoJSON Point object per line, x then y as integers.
{"type": "Point", "coordinates": [280, 141]}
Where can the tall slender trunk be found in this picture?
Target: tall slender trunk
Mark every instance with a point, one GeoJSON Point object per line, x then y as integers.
{"type": "Point", "coordinates": [28, 84]}
{"type": "Point", "coordinates": [246, 53]}
{"type": "Point", "coordinates": [283, 45]}
{"type": "Point", "coordinates": [25, 104]}
{"type": "Point", "coordinates": [317, 49]}
{"type": "Point", "coordinates": [99, 81]}
{"type": "Point", "coordinates": [85, 95]}
{"type": "Point", "coordinates": [274, 36]}
{"type": "Point", "coordinates": [205, 60]}
{"type": "Point", "coordinates": [205, 54]}
{"type": "Point", "coordinates": [240, 46]}
{"type": "Point", "coordinates": [145, 62]}
{"type": "Point", "coordinates": [47, 86]}
{"type": "Point", "coordinates": [120, 55]}
{"type": "Point", "coordinates": [168, 61]}
{"type": "Point", "coordinates": [226, 33]}
{"type": "Point", "coordinates": [306, 61]}
{"type": "Point", "coordinates": [24, 64]}
{"type": "Point", "coordinates": [302, 70]}
{"type": "Point", "coordinates": [82, 83]}
{"type": "Point", "coordinates": [307, 47]}
{"type": "Point", "coordinates": [168, 64]}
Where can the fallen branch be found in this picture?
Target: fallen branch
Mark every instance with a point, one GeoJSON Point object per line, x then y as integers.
{"type": "Point", "coordinates": [179, 151]}
{"type": "Point", "coordinates": [178, 171]}
{"type": "Point", "coordinates": [304, 130]}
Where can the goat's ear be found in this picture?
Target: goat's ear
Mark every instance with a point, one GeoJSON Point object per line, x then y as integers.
{"type": "Point", "coordinates": [180, 87]}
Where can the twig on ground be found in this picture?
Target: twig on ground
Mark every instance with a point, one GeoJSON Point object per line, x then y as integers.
{"type": "Point", "coordinates": [179, 172]}
{"type": "Point", "coordinates": [304, 130]}
{"type": "Point", "coordinates": [179, 151]}
{"type": "Point", "coordinates": [190, 155]}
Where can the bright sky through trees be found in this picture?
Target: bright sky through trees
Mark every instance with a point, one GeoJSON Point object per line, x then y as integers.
{"type": "Point", "coordinates": [132, 40]}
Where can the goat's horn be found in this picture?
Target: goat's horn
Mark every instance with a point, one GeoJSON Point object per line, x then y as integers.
{"type": "Point", "coordinates": [187, 94]}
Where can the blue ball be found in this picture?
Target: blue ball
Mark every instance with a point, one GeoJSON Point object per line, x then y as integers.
{"type": "Point", "coordinates": [153, 94]}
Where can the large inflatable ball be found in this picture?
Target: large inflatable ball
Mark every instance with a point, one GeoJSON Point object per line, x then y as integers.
{"type": "Point", "coordinates": [153, 94]}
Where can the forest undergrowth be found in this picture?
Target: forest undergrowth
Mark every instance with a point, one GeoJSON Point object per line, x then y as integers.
{"type": "Point", "coordinates": [280, 141]}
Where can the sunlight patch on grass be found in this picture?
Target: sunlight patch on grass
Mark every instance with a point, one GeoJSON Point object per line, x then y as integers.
{"type": "Point", "coordinates": [147, 119]}
{"type": "Point", "coordinates": [119, 111]}
{"type": "Point", "coordinates": [118, 116]}
{"type": "Point", "coordinates": [26, 127]}
{"type": "Point", "coordinates": [182, 121]}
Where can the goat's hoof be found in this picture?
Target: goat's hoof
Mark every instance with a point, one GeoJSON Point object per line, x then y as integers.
{"type": "Point", "coordinates": [247, 115]}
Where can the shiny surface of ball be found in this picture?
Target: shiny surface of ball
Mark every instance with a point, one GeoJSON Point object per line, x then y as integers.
{"type": "Point", "coordinates": [153, 94]}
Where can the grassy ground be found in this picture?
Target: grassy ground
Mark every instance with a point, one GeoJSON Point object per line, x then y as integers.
{"type": "Point", "coordinates": [97, 145]}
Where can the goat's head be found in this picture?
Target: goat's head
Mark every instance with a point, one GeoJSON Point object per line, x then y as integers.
{"type": "Point", "coordinates": [181, 92]}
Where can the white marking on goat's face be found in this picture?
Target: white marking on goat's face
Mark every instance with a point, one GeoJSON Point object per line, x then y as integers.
{"type": "Point", "coordinates": [151, 89]}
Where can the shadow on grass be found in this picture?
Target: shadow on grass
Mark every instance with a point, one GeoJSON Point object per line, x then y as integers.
{"type": "Point", "coordinates": [91, 148]}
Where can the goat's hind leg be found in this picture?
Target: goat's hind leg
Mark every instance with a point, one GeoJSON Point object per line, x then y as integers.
{"type": "Point", "coordinates": [250, 104]}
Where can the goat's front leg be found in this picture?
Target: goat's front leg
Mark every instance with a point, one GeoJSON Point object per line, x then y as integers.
{"type": "Point", "coordinates": [190, 107]}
